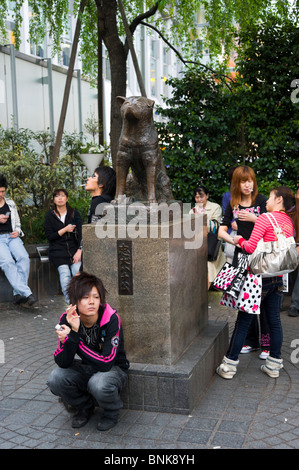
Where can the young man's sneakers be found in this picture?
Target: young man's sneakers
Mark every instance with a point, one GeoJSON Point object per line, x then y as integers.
{"type": "Point", "coordinates": [107, 422]}
{"type": "Point", "coordinates": [31, 300]}
{"type": "Point", "coordinates": [247, 349]}
{"type": "Point", "coordinates": [264, 354]}
{"type": "Point", "coordinates": [82, 416]}
{"type": "Point", "coordinates": [21, 299]}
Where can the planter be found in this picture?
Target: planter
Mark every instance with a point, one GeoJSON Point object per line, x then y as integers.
{"type": "Point", "coordinates": [91, 160]}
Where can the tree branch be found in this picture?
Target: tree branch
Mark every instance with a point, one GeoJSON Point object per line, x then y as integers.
{"type": "Point", "coordinates": [186, 62]}
{"type": "Point", "coordinates": [136, 22]}
{"type": "Point", "coordinates": [143, 16]}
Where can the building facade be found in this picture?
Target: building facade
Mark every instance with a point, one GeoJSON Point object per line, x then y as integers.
{"type": "Point", "coordinates": [32, 82]}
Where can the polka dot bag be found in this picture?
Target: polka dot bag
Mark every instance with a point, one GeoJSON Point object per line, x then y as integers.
{"type": "Point", "coordinates": [249, 299]}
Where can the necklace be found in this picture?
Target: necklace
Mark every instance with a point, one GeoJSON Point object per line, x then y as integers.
{"type": "Point", "coordinates": [89, 335]}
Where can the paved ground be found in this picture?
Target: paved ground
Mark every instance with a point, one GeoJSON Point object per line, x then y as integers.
{"type": "Point", "coordinates": [251, 411]}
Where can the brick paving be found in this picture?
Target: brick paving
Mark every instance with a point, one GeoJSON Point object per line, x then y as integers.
{"type": "Point", "coordinates": [252, 411]}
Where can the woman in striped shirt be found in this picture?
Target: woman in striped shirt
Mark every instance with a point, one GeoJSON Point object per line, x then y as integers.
{"type": "Point", "coordinates": [280, 203]}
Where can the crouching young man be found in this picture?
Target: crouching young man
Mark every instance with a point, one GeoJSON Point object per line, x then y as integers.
{"type": "Point", "coordinates": [92, 330]}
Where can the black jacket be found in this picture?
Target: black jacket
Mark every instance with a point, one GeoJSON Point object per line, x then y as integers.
{"type": "Point", "coordinates": [95, 202]}
{"type": "Point", "coordinates": [62, 249]}
{"type": "Point", "coordinates": [105, 351]}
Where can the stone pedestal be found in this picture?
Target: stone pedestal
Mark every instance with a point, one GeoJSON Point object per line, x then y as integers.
{"type": "Point", "coordinates": [158, 284]}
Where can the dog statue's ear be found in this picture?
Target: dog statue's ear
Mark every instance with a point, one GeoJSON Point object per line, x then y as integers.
{"type": "Point", "coordinates": [120, 100]}
{"type": "Point", "coordinates": [150, 103]}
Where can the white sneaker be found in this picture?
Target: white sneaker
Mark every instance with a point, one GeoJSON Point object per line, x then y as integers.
{"type": "Point", "coordinates": [247, 349]}
{"type": "Point", "coordinates": [264, 354]}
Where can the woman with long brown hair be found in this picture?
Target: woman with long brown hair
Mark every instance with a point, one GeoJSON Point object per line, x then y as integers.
{"type": "Point", "coordinates": [245, 206]}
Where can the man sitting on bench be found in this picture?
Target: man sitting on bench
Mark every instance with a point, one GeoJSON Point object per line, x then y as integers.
{"type": "Point", "coordinates": [14, 259]}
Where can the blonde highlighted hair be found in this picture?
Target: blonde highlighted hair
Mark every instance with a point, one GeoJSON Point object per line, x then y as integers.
{"type": "Point", "coordinates": [242, 174]}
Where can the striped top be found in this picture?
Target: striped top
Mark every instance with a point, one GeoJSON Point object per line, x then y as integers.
{"type": "Point", "coordinates": [263, 229]}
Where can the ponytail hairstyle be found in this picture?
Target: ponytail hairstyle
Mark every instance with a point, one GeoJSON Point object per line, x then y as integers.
{"type": "Point", "coordinates": [288, 202]}
{"type": "Point", "coordinates": [68, 207]}
{"type": "Point", "coordinates": [242, 174]}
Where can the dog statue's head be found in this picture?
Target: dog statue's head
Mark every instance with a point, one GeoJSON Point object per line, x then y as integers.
{"type": "Point", "coordinates": [136, 107]}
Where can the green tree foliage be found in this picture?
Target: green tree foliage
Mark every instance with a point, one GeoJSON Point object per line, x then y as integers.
{"type": "Point", "coordinates": [31, 180]}
{"type": "Point", "coordinates": [225, 20]}
{"type": "Point", "coordinates": [214, 123]}
{"type": "Point", "coordinates": [267, 64]}
{"type": "Point", "coordinates": [175, 20]}
{"type": "Point", "coordinates": [199, 136]}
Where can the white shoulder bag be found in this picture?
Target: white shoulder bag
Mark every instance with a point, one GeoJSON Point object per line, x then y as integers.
{"type": "Point", "coordinates": [274, 258]}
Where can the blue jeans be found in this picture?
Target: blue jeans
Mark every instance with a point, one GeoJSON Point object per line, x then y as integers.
{"type": "Point", "coordinates": [270, 304]}
{"type": "Point", "coordinates": [14, 262]}
{"type": "Point", "coordinates": [80, 384]}
{"type": "Point", "coordinates": [65, 274]}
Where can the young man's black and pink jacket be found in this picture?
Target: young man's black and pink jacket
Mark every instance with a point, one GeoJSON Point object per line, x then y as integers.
{"type": "Point", "coordinates": [105, 350]}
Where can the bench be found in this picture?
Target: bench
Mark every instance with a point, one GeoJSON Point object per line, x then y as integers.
{"type": "Point", "coordinates": [43, 253]}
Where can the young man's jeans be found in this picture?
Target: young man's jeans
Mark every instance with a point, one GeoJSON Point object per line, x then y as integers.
{"type": "Point", "coordinates": [271, 302]}
{"type": "Point", "coordinates": [14, 262]}
{"type": "Point", "coordinates": [77, 385]}
{"type": "Point", "coordinates": [65, 274]}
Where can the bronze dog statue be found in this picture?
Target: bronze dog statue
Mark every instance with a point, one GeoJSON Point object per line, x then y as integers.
{"type": "Point", "coordinates": [139, 150]}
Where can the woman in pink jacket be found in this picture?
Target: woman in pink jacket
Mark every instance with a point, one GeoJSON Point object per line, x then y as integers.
{"type": "Point", "coordinates": [280, 203]}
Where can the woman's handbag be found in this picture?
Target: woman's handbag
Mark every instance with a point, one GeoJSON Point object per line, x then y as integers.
{"type": "Point", "coordinates": [249, 298]}
{"type": "Point", "coordinates": [214, 243]}
{"type": "Point", "coordinates": [274, 258]}
{"type": "Point", "coordinates": [231, 279]}
{"type": "Point", "coordinates": [229, 249]}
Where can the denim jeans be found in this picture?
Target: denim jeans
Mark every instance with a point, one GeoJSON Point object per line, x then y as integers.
{"type": "Point", "coordinates": [80, 384]}
{"type": "Point", "coordinates": [14, 262]}
{"type": "Point", "coordinates": [65, 274]}
{"type": "Point", "coordinates": [258, 336]}
{"type": "Point", "coordinates": [270, 303]}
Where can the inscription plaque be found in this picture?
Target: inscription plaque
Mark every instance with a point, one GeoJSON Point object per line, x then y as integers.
{"type": "Point", "coordinates": [125, 267]}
